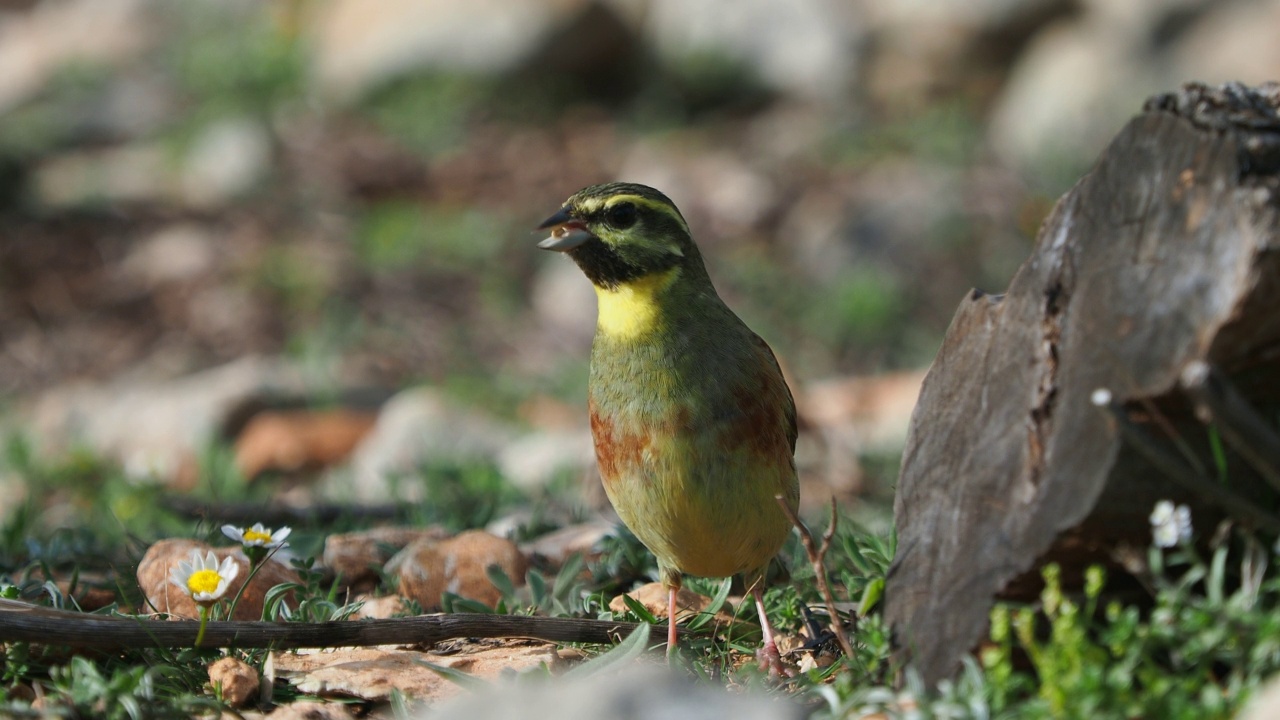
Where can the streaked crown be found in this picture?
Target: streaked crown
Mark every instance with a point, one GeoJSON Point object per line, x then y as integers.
{"type": "Point", "coordinates": [619, 232]}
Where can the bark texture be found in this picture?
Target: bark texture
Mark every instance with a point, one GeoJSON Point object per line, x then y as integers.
{"type": "Point", "coordinates": [1163, 255]}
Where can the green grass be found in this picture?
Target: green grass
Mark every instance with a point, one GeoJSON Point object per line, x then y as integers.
{"type": "Point", "coordinates": [1201, 641]}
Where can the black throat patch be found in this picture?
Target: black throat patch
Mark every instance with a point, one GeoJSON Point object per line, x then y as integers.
{"type": "Point", "coordinates": [606, 269]}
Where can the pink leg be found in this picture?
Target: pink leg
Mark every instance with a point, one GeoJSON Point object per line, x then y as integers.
{"type": "Point", "coordinates": [768, 655]}
{"type": "Point", "coordinates": [671, 622]}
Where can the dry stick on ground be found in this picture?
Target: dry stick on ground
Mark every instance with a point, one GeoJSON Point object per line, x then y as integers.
{"type": "Point", "coordinates": [47, 626]}
{"type": "Point", "coordinates": [276, 515]}
{"type": "Point", "coordinates": [817, 558]}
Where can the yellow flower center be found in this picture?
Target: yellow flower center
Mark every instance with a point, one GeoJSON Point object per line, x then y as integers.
{"type": "Point", "coordinates": [251, 536]}
{"type": "Point", "coordinates": [203, 581]}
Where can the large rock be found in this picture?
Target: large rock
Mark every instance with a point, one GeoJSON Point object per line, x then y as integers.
{"type": "Point", "coordinates": [459, 565]}
{"type": "Point", "coordinates": [358, 45]}
{"type": "Point", "coordinates": [415, 428]}
{"type": "Point", "coordinates": [36, 44]}
{"type": "Point", "coordinates": [636, 693]}
{"type": "Point", "coordinates": [154, 427]}
{"type": "Point", "coordinates": [1075, 80]}
{"type": "Point", "coordinates": [807, 48]}
{"type": "Point", "coordinates": [163, 556]}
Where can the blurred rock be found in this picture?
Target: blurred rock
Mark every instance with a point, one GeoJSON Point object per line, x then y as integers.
{"type": "Point", "coordinates": [89, 591]}
{"type": "Point", "coordinates": [295, 440]}
{"type": "Point", "coordinates": [153, 427]}
{"type": "Point", "coordinates": [806, 48]}
{"type": "Point", "coordinates": [630, 693]}
{"type": "Point", "coordinates": [234, 680]}
{"type": "Point", "coordinates": [1232, 42]}
{"type": "Point", "coordinates": [533, 461]}
{"type": "Point", "coordinates": [165, 597]}
{"type": "Point", "coordinates": [852, 417]}
{"type": "Point", "coordinates": [375, 673]}
{"type": "Point", "coordinates": [653, 596]}
{"type": "Point", "coordinates": [415, 428]}
{"type": "Point", "coordinates": [1068, 93]}
{"type": "Point", "coordinates": [719, 193]}
{"type": "Point", "coordinates": [227, 160]}
{"type": "Point", "coordinates": [1076, 81]}
{"type": "Point", "coordinates": [133, 105]}
{"type": "Point", "coordinates": [359, 45]}
{"type": "Point", "coordinates": [564, 303]}
{"type": "Point", "coordinates": [555, 547]}
{"type": "Point", "coordinates": [1265, 703]}
{"type": "Point", "coordinates": [312, 710]}
{"type": "Point", "coordinates": [877, 408]}
{"type": "Point", "coordinates": [133, 173]}
{"type": "Point", "coordinates": [428, 568]}
{"type": "Point", "coordinates": [355, 557]}
{"type": "Point", "coordinates": [39, 42]}
{"type": "Point", "coordinates": [380, 608]}
{"type": "Point", "coordinates": [921, 50]}
{"type": "Point", "coordinates": [173, 254]}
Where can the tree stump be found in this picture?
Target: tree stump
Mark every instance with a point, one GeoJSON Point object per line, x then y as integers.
{"type": "Point", "coordinates": [1162, 258]}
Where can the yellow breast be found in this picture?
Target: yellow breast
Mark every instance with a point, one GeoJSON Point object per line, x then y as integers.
{"type": "Point", "coordinates": [632, 310]}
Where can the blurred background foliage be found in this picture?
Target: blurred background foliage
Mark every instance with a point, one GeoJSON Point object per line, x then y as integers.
{"type": "Point", "coordinates": [350, 186]}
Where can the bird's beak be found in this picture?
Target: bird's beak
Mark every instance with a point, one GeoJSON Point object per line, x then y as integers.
{"type": "Point", "coordinates": [567, 232]}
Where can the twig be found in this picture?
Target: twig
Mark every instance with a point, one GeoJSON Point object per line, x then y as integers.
{"type": "Point", "coordinates": [817, 558]}
{"type": "Point", "coordinates": [244, 513]}
{"type": "Point", "coordinates": [1234, 504]}
{"type": "Point", "coordinates": [1239, 424]}
{"type": "Point", "coordinates": [20, 621]}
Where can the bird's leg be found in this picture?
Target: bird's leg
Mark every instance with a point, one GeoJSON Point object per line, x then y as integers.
{"type": "Point", "coordinates": [671, 622]}
{"type": "Point", "coordinates": [768, 654]}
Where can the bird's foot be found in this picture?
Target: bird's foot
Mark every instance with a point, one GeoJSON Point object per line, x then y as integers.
{"type": "Point", "coordinates": [770, 659]}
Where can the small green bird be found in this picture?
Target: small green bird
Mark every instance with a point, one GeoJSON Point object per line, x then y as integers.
{"type": "Point", "coordinates": [693, 424]}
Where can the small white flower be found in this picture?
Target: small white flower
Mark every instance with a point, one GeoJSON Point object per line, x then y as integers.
{"type": "Point", "coordinates": [257, 536]}
{"type": "Point", "coordinates": [203, 578]}
{"type": "Point", "coordinates": [1170, 524]}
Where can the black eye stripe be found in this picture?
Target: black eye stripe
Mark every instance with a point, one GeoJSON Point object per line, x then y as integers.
{"type": "Point", "coordinates": [621, 215]}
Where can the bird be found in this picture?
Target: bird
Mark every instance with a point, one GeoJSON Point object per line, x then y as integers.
{"type": "Point", "coordinates": [693, 425]}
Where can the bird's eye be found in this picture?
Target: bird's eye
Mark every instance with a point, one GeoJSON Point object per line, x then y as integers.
{"type": "Point", "coordinates": [621, 216]}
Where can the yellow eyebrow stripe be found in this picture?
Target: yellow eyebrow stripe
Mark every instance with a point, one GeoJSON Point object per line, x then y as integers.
{"type": "Point", "coordinates": [594, 204]}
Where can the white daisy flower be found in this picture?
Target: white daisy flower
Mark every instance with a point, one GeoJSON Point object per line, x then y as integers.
{"type": "Point", "coordinates": [257, 536]}
{"type": "Point", "coordinates": [1170, 524]}
{"type": "Point", "coordinates": [204, 578]}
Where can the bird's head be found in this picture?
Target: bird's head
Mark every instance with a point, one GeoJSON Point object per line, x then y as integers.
{"type": "Point", "coordinates": [621, 232]}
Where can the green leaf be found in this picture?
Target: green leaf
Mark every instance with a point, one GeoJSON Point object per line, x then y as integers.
{"type": "Point", "coordinates": [639, 610]}
{"type": "Point", "coordinates": [1217, 576]}
{"type": "Point", "coordinates": [717, 602]}
{"type": "Point", "coordinates": [456, 676]}
{"type": "Point", "coordinates": [500, 580]}
{"type": "Point", "coordinates": [567, 578]}
{"type": "Point", "coordinates": [623, 654]}
{"type": "Point", "coordinates": [871, 596]}
{"type": "Point", "coordinates": [272, 602]}
{"type": "Point", "coordinates": [537, 587]}
{"type": "Point", "coordinates": [451, 603]}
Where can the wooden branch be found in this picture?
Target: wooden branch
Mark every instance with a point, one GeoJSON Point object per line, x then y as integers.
{"type": "Point", "coordinates": [20, 621]}
{"type": "Point", "coordinates": [1237, 422]}
{"type": "Point", "coordinates": [817, 557]}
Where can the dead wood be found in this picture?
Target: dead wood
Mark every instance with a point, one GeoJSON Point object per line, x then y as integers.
{"type": "Point", "coordinates": [1163, 255]}
{"type": "Point", "coordinates": [20, 621]}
